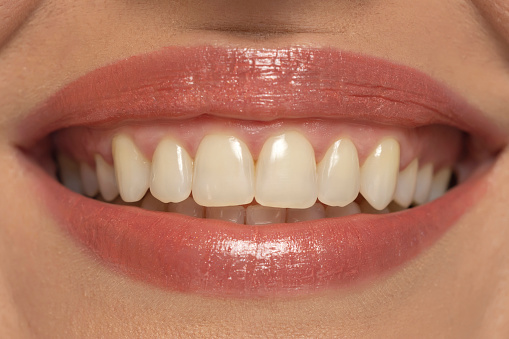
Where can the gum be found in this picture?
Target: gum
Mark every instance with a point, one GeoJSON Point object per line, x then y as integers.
{"type": "Point", "coordinates": [440, 145]}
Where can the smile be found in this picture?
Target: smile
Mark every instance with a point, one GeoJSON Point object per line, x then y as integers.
{"type": "Point", "coordinates": [249, 173]}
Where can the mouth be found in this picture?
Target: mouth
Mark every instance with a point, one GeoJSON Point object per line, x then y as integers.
{"type": "Point", "coordinates": [251, 173]}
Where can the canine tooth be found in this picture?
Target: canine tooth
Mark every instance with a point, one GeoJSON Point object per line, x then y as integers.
{"type": "Point", "coordinates": [286, 172]}
{"type": "Point", "coordinates": [152, 204]}
{"type": "Point", "coordinates": [339, 175]}
{"type": "Point", "coordinates": [70, 173]}
{"type": "Point", "coordinates": [379, 174]}
{"type": "Point", "coordinates": [317, 211]}
{"type": "Point", "coordinates": [172, 172]}
{"type": "Point", "coordinates": [106, 178]}
{"type": "Point", "coordinates": [187, 207]}
{"type": "Point", "coordinates": [405, 188]}
{"type": "Point", "coordinates": [132, 169]}
{"type": "Point", "coordinates": [367, 208]}
{"type": "Point", "coordinates": [336, 211]}
{"type": "Point", "coordinates": [423, 186]}
{"type": "Point", "coordinates": [236, 214]}
{"type": "Point", "coordinates": [262, 215]}
{"type": "Point", "coordinates": [223, 172]}
{"type": "Point", "coordinates": [440, 183]}
{"type": "Point", "coordinates": [89, 180]}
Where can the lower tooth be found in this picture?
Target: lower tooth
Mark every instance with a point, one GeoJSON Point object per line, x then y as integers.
{"type": "Point", "coordinates": [70, 173]}
{"type": "Point", "coordinates": [335, 212]}
{"type": "Point", "coordinates": [440, 183]}
{"type": "Point", "coordinates": [367, 208]}
{"type": "Point", "coordinates": [236, 214]}
{"type": "Point", "coordinates": [262, 215]}
{"type": "Point", "coordinates": [152, 204]}
{"type": "Point", "coordinates": [187, 207]}
{"type": "Point", "coordinates": [89, 180]}
{"type": "Point", "coordinates": [317, 211]}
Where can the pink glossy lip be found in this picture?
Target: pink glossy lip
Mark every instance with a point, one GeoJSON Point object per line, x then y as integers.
{"type": "Point", "coordinates": [218, 258]}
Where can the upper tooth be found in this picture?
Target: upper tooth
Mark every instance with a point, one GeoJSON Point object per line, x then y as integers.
{"type": "Point", "coordinates": [286, 172]}
{"type": "Point", "coordinates": [106, 179]}
{"type": "Point", "coordinates": [70, 173]}
{"type": "Point", "coordinates": [172, 172]}
{"type": "Point", "coordinates": [423, 186]}
{"type": "Point", "coordinates": [317, 211]}
{"type": "Point", "coordinates": [262, 215]}
{"type": "Point", "coordinates": [339, 175]}
{"type": "Point", "coordinates": [405, 188]}
{"type": "Point", "coordinates": [132, 169]}
{"type": "Point", "coordinates": [89, 180]}
{"type": "Point", "coordinates": [379, 174]}
{"type": "Point", "coordinates": [223, 172]}
{"type": "Point", "coordinates": [236, 214]}
{"type": "Point", "coordinates": [440, 183]}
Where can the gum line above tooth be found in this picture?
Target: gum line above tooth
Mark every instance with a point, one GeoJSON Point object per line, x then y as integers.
{"type": "Point", "coordinates": [285, 176]}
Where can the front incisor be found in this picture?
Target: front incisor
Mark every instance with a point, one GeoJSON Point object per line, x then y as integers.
{"type": "Point", "coordinates": [286, 172]}
{"type": "Point", "coordinates": [223, 172]}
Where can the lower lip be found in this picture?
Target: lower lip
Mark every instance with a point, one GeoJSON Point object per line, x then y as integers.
{"type": "Point", "coordinates": [217, 258]}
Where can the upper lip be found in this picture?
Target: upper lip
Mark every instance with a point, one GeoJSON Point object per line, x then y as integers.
{"type": "Point", "coordinates": [268, 84]}
{"type": "Point", "coordinates": [177, 83]}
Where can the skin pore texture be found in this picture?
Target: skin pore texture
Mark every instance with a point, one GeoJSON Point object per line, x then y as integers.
{"type": "Point", "coordinates": [51, 288]}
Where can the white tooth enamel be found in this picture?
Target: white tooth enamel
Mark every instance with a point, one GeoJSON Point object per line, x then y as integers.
{"type": "Point", "coordinates": [132, 169]}
{"type": "Point", "coordinates": [286, 172]}
{"type": "Point", "coordinates": [236, 214]}
{"type": "Point", "coordinates": [106, 178]}
{"type": "Point", "coordinates": [423, 186]}
{"type": "Point", "coordinates": [440, 183]}
{"type": "Point", "coordinates": [223, 172]}
{"type": "Point", "coordinates": [70, 173]}
{"type": "Point", "coordinates": [152, 204]}
{"type": "Point", "coordinates": [335, 212]}
{"type": "Point", "coordinates": [172, 172]}
{"type": "Point", "coordinates": [317, 211]}
{"type": "Point", "coordinates": [367, 208]}
{"type": "Point", "coordinates": [187, 207]}
{"type": "Point", "coordinates": [339, 175]}
{"type": "Point", "coordinates": [261, 215]}
{"type": "Point", "coordinates": [89, 180]}
{"type": "Point", "coordinates": [405, 187]}
{"type": "Point", "coordinates": [379, 174]}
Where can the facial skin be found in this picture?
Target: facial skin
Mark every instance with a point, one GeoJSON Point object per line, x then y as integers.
{"type": "Point", "coordinates": [49, 287]}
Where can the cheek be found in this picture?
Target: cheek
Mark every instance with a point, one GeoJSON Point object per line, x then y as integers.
{"type": "Point", "coordinates": [496, 12]}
